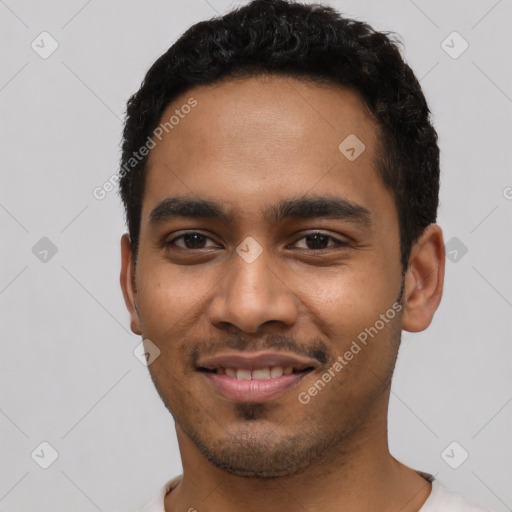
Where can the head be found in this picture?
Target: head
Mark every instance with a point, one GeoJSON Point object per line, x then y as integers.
{"type": "Point", "coordinates": [285, 202]}
{"type": "Point", "coordinates": [311, 43]}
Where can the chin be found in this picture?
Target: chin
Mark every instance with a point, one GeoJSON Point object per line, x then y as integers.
{"type": "Point", "coordinates": [261, 452]}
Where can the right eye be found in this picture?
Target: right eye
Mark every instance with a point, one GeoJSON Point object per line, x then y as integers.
{"type": "Point", "coordinates": [191, 240]}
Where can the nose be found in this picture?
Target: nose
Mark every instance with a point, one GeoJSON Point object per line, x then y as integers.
{"type": "Point", "coordinates": [252, 295]}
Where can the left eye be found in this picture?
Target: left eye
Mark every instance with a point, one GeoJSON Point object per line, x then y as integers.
{"type": "Point", "coordinates": [319, 241]}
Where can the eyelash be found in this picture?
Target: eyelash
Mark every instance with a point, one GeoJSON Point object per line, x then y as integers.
{"type": "Point", "coordinates": [338, 243]}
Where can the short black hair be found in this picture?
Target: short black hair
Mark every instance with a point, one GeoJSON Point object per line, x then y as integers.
{"type": "Point", "coordinates": [304, 41]}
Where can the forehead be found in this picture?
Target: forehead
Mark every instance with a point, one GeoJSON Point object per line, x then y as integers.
{"type": "Point", "coordinates": [280, 111]}
{"type": "Point", "coordinates": [253, 139]}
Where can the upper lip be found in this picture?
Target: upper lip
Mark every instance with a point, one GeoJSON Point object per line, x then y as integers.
{"type": "Point", "coordinates": [255, 360]}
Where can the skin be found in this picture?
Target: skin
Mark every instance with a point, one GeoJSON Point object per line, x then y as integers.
{"type": "Point", "coordinates": [248, 144]}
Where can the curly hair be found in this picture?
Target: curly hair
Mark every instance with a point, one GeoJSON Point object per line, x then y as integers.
{"type": "Point", "coordinates": [310, 42]}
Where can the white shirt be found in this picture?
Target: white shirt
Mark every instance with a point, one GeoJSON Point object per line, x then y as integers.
{"type": "Point", "coordinates": [439, 500]}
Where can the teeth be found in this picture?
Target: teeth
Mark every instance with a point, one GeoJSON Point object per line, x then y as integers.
{"type": "Point", "coordinates": [259, 374]}
{"type": "Point", "coordinates": [263, 374]}
{"type": "Point", "coordinates": [230, 372]}
{"type": "Point", "coordinates": [243, 374]}
{"type": "Point", "coordinates": [276, 371]}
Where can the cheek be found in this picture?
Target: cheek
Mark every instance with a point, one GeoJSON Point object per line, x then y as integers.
{"type": "Point", "coordinates": [346, 299]}
{"type": "Point", "coordinates": [168, 298]}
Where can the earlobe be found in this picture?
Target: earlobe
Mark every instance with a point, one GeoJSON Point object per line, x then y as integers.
{"type": "Point", "coordinates": [127, 280]}
{"type": "Point", "coordinates": [424, 280]}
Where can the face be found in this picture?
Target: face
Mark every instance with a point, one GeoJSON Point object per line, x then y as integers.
{"type": "Point", "coordinates": [266, 257]}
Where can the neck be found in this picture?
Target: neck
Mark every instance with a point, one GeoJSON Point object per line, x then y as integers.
{"type": "Point", "coordinates": [359, 474]}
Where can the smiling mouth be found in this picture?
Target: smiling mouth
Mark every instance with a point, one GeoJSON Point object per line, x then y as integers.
{"type": "Point", "coordinates": [265, 373]}
{"type": "Point", "coordinates": [254, 376]}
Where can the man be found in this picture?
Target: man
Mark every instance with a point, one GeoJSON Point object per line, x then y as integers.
{"type": "Point", "coordinates": [280, 176]}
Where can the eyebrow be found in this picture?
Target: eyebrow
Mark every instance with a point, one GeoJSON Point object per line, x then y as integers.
{"type": "Point", "coordinates": [305, 207]}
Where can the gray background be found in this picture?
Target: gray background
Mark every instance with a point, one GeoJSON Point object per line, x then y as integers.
{"type": "Point", "coordinates": [68, 375]}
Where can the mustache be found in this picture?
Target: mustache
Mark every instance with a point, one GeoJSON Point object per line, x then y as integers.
{"type": "Point", "coordinates": [315, 349]}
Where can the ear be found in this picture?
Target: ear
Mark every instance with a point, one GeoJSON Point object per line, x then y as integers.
{"type": "Point", "coordinates": [424, 280]}
{"type": "Point", "coordinates": [127, 279]}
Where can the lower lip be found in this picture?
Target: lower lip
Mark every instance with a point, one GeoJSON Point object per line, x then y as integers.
{"type": "Point", "coordinates": [253, 390]}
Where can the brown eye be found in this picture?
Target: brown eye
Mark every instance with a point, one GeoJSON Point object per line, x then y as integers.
{"type": "Point", "coordinates": [192, 240]}
{"type": "Point", "coordinates": [320, 241]}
